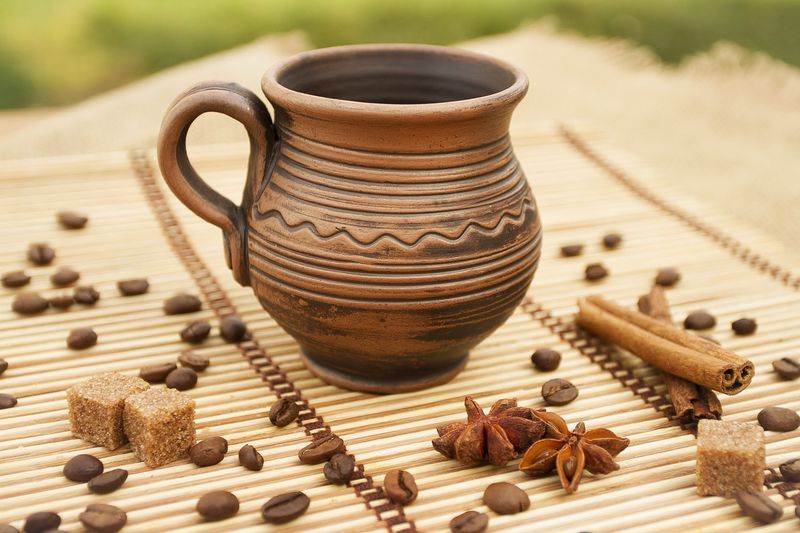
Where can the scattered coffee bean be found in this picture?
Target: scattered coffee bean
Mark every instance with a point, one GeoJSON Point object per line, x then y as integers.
{"type": "Point", "coordinates": [759, 506]}
{"type": "Point", "coordinates": [29, 303]}
{"type": "Point", "coordinates": [81, 338]}
{"type": "Point", "coordinates": [209, 451]}
{"type": "Point", "coordinates": [285, 508]}
{"type": "Point", "coordinates": [321, 450]}
{"type": "Point", "coordinates": [400, 487]}
{"type": "Point", "coordinates": [787, 368]}
{"type": "Point", "coordinates": [470, 522]}
{"type": "Point", "coordinates": [41, 522]}
{"type": "Point", "coordinates": [217, 505]}
{"type": "Point", "coordinates": [505, 498]}
{"type": "Point", "coordinates": [62, 302]}
{"type": "Point", "coordinates": [559, 392]}
{"type": "Point", "coordinates": [86, 295]}
{"type": "Point", "coordinates": [545, 359]}
{"type": "Point", "coordinates": [133, 287]}
{"type": "Point", "coordinates": [193, 360]}
{"type": "Point", "coordinates": [744, 326]}
{"type": "Point", "coordinates": [64, 276]}
{"type": "Point", "coordinates": [71, 219]}
{"type": "Point", "coordinates": [7, 401]}
{"type": "Point", "coordinates": [13, 280]}
{"type": "Point", "coordinates": [667, 277]}
{"type": "Point", "coordinates": [232, 328]}
{"type": "Point", "coordinates": [182, 303]}
{"type": "Point", "coordinates": [7, 528]}
{"type": "Point", "coordinates": [196, 332]}
{"type": "Point", "coordinates": [283, 412]}
{"type": "Point", "coordinates": [612, 240]}
{"type": "Point", "coordinates": [790, 470]}
{"type": "Point", "coordinates": [778, 419]}
{"type": "Point", "coordinates": [82, 468]}
{"type": "Point", "coordinates": [41, 254]}
{"type": "Point", "coordinates": [250, 458]}
{"type": "Point", "coordinates": [699, 320]}
{"type": "Point", "coordinates": [339, 469]}
{"type": "Point", "coordinates": [108, 481]}
{"type": "Point", "coordinates": [571, 250]}
{"type": "Point", "coordinates": [3, 366]}
{"type": "Point", "coordinates": [103, 518]}
{"type": "Point", "coordinates": [181, 378]}
{"type": "Point", "coordinates": [595, 271]}
{"type": "Point", "coordinates": [156, 373]}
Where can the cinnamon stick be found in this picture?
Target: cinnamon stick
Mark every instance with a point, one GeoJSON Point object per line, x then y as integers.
{"type": "Point", "coordinates": [689, 400]}
{"type": "Point", "coordinates": [666, 347]}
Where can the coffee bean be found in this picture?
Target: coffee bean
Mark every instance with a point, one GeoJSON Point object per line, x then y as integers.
{"type": "Point", "coordinates": [595, 271]}
{"type": "Point", "coordinates": [250, 458]}
{"type": "Point", "coordinates": [62, 302]}
{"type": "Point", "coordinates": [156, 373]}
{"type": "Point", "coordinates": [339, 469]}
{"type": "Point", "coordinates": [196, 332]}
{"type": "Point", "coordinates": [283, 412]}
{"type": "Point", "coordinates": [64, 276]}
{"type": "Point", "coordinates": [181, 304]}
{"type": "Point", "coordinates": [285, 508]}
{"type": "Point", "coordinates": [612, 240]}
{"type": "Point", "coordinates": [559, 392]}
{"type": "Point", "coordinates": [217, 505]}
{"type": "Point", "coordinates": [103, 518]}
{"type": "Point", "coordinates": [571, 250]}
{"type": "Point", "coordinates": [699, 320]}
{"type": "Point", "coordinates": [667, 277]}
{"type": "Point", "coordinates": [778, 419]}
{"type": "Point", "coordinates": [7, 528]}
{"type": "Point", "coordinates": [744, 326]}
{"type": "Point", "coordinates": [81, 338]}
{"type": "Point", "coordinates": [3, 366]}
{"type": "Point", "coordinates": [133, 287]}
{"type": "Point", "coordinates": [41, 254]}
{"type": "Point", "coordinates": [41, 522]}
{"type": "Point", "coordinates": [790, 470]}
{"type": "Point", "coordinates": [7, 401]}
{"type": "Point", "coordinates": [195, 361]}
{"type": "Point", "coordinates": [759, 506]}
{"type": "Point", "coordinates": [82, 468]}
{"type": "Point", "coordinates": [86, 295]}
{"type": "Point", "coordinates": [321, 450]}
{"type": "Point", "coordinates": [181, 379]}
{"type": "Point", "coordinates": [470, 522]}
{"type": "Point", "coordinates": [108, 481]}
{"type": "Point", "coordinates": [71, 219]}
{"type": "Point", "coordinates": [545, 359]}
{"type": "Point", "coordinates": [29, 303]}
{"type": "Point", "coordinates": [787, 368]}
{"type": "Point", "coordinates": [505, 498]}
{"type": "Point", "coordinates": [209, 451]}
{"type": "Point", "coordinates": [232, 328]}
{"type": "Point", "coordinates": [400, 487]}
{"type": "Point", "coordinates": [15, 279]}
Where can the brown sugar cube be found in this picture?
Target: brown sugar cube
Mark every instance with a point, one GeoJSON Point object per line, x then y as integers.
{"type": "Point", "coordinates": [730, 458]}
{"type": "Point", "coordinates": [95, 407]}
{"type": "Point", "coordinates": [160, 425]}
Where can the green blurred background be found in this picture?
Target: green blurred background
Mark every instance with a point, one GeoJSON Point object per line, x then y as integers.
{"type": "Point", "coordinates": [55, 52]}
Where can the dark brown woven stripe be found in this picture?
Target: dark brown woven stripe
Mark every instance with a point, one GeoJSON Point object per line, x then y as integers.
{"type": "Point", "coordinates": [362, 483]}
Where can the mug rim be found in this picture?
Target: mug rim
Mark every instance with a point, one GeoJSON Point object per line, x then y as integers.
{"type": "Point", "coordinates": [334, 108]}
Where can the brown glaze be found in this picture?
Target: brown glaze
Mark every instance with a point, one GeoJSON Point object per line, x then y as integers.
{"type": "Point", "coordinates": [385, 222]}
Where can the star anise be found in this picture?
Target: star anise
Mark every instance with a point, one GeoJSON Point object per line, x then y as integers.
{"type": "Point", "coordinates": [572, 452]}
{"type": "Point", "coordinates": [498, 437]}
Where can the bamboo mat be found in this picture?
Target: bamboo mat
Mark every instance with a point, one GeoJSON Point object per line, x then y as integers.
{"type": "Point", "coordinates": [585, 187]}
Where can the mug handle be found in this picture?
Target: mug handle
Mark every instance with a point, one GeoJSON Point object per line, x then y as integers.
{"type": "Point", "coordinates": [242, 105]}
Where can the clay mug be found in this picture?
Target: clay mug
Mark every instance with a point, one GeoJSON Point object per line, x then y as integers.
{"type": "Point", "coordinates": [385, 222]}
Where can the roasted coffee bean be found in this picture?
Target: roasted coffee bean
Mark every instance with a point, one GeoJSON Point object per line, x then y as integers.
{"type": "Point", "coordinates": [71, 219]}
{"type": "Point", "coordinates": [29, 303]}
{"type": "Point", "coordinates": [232, 328]}
{"type": "Point", "coordinates": [195, 361]}
{"type": "Point", "coordinates": [103, 518]}
{"type": "Point", "coordinates": [778, 419]}
{"type": "Point", "coordinates": [283, 412]}
{"type": "Point", "coordinates": [3, 366]}
{"type": "Point", "coordinates": [108, 481]}
{"type": "Point", "coordinates": [156, 373]}
{"type": "Point", "coordinates": [667, 277]}
{"type": "Point", "coordinates": [595, 271]}
{"type": "Point", "coordinates": [7, 401]}
{"type": "Point", "coordinates": [545, 359]}
{"type": "Point", "coordinates": [790, 470]}
{"type": "Point", "coordinates": [470, 522]}
{"type": "Point", "coordinates": [62, 302]}
{"type": "Point", "coordinates": [196, 332]}
{"type": "Point", "coordinates": [13, 280]}
{"type": "Point", "coordinates": [759, 506]}
{"type": "Point", "coordinates": [182, 303]}
{"type": "Point", "coordinates": [7, 528]}
{"type": "Point", "coordinates": [612, 240]}
{"type": "Point", "coordinates": [744, 326]}
{"type": "Point", "coordinates": [82, 468]}
{"type": "Point", "coordinates": [339, 469]}
{"type": "Point", "coordinates": [400, 487]}
{"type": "Point", "coordinates": [86, 295]}
{"type": "Point", "coordinates": [559, 392]}
{"type": "Point", "coordinates": [250, 458]}
{"type": "Point", "coordinates": [133, 287]}
{"type": "Point", "coordinates": [284, 508]}
{"type": "Point", "coordinates": [505, 498]}
{"type": "Point", "coordinates": [64, 276]}
{"type": "Point", "coordinates": [571, 250]}
{"type": "Point", "coordinates": [217, 505]}
{"type": "Point", "coordinates": [321, 450]}
{"type": "Point", "coordinates": [787, 368]}
{"type": "Point", "coordinates": [41, 254]}
{"type": "Point", "coordinates": [181, 378]}
{"type": "Point", "coordinates": [699, 320]}
{"type": "Point", "coordinates": [41, 522]}
{"type": "Point", "coordinates": [209, 451]}
{"type": "Point", "coordinates": [81, 338]}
